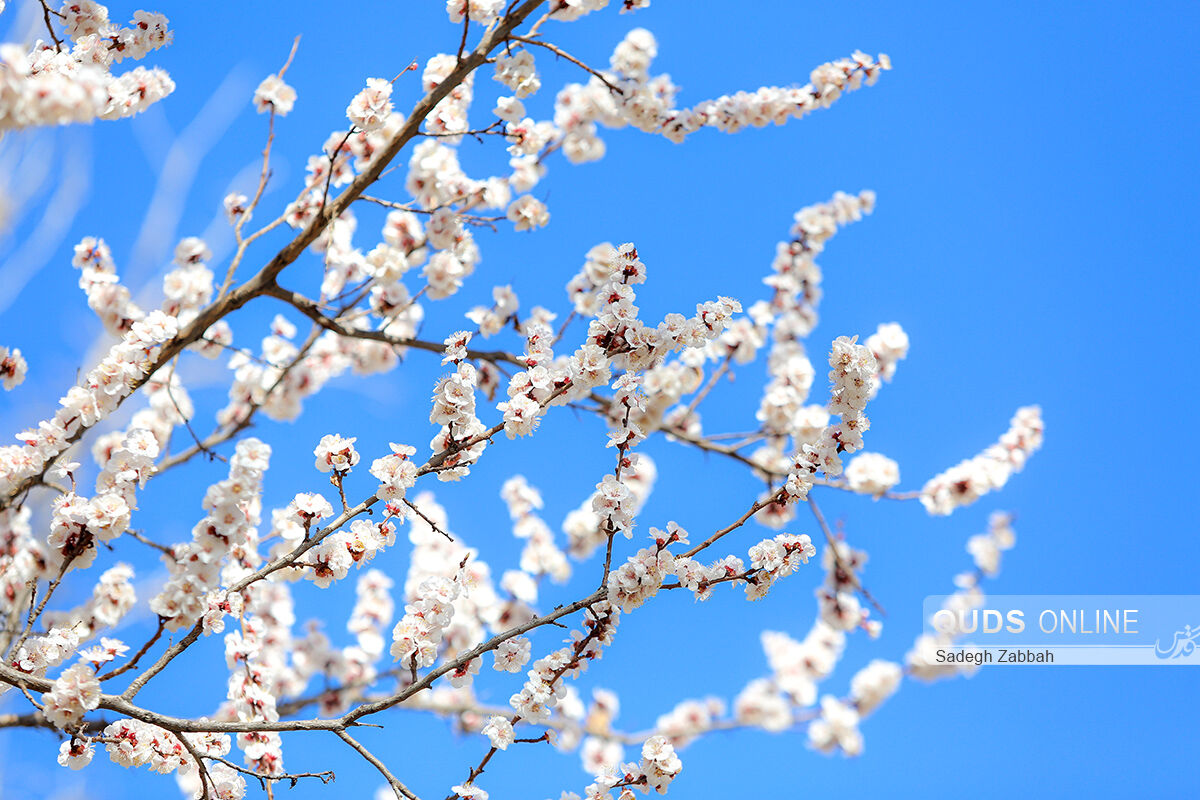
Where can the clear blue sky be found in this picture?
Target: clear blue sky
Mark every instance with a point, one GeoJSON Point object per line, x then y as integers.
{"type": "Point", "coordinates": [1036, 166]}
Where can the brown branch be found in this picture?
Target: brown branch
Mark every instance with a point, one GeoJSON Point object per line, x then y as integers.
{"type": "Point", "coordinates": [36, 720]}
{"type": "Point", "coordinates": [263, 177]}
{"type": "Point", "coordinates": [474, 219]}
{"type": "Point", "coordinates": [490, 130]}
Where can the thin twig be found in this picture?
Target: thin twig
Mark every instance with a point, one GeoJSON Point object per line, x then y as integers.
{"type": "Point", "coordinates": [462, 45]}
{"type": "Point", "coordinates": [205, 778]}
{"type": "Point", "coordinates": [558, 51]}
{"type": "Point", "coordinates": [46, 12]}
{"type": "Point", "coordinates": [326, 776]}
{"type": "Point", "coordinates": [399, 788]}
{"type": "Point", "coordinates": [428, 521]}
{"type": "Point", "coordinates": [139, 536]}
{"type": "Point", "coordinates": [708, 387]}
{"type": "Point", "coordinates": [837, 559]}
{"type": "Point", "coordinates": [133, 662]}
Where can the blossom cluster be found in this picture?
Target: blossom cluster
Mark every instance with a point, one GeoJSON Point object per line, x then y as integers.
{"type": "Point", "coordinates": [852, 374]}
{"type": "Point", "coordinates": [279, 379]}
{"type": "Point", "coordinates": [223, 547]}
{"type": "Point", "coordinates": [134, 743]}
{"type": "Point", "coordinates": [372, 106]}
{"type": "Point", "coordinates": [658, 767]}
{"type": "Point", "coordinates": [872, 473]}
{"type": "Point", "coordinates": [639, 578]}
{"type": "Point", "coordinates": [616, 338]}
{"type": "Point", "coordinates": [12, 368]}
{"type": "Point", "coordinates": [837, 597]}
{"type": "Point", "coordinates": [540, 556]}
{"type": "Point", "coordinates": [587, 527]}
{"type": "Point", "coordinates": [336, 553]}
{"type": "Point", "coordinates": [417, 635]}
{"type": "Point", "coordinates": [189, 286]}
{"type": "Point", "coordinates": [797, 667]}
{"type": "Point", "coordinates": [396, 473]}
{"type": "Point", "coordinates": [99, 281]}
{"type": "Point", "coordinates": [796, 286]}
{"type": "Point", "coordinates": [454, 410]}
{"type": "Point", "coordinates": [439, 557]}
{"type": "Point", "coordinates": [690, 719]}
{"type": "Point", "coordinates": [274, 96]}
{"type": "Point", "coordinates": [336, 454]}
{"type": "Point", "coordinates": [491, 320]}
{"type": "Point", "coordinates": [969, 480]}
{"type": "Point", "coordinates": [75, 692]}
{"type": "Point", "coordinates": [39, 653]}
{"type": "Point", "coordinates": [58, 84]}
{"type": "Point", "coordinates": [112, 598]}
{"type": "Point", "coordinates": [482, 12]}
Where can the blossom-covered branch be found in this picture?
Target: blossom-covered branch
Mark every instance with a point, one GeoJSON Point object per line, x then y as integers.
{"type": "Point", "coordinates": [254, 546]}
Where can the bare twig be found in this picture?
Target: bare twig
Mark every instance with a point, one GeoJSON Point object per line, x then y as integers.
{"type": "Point", "coordinates": [837, 558]}
{"type": "Point", "coordinates": [310, 309]}
{"type": "Point", "coordinates": [205, 779]}
{"type": "Point", "coordinates": [133, 662]}
{"type": "Point", "coordinates": [46, 12]}
{"type": "Point", "coordinates": [428, 521]}
{"type": "Point", "coordinates": [399, 788]}
{"type": "Point", "coordinates": [462, 45]}
{"type": "Point", "coordinates": [326, 776]}
{"type": "Point", "coordinates": [558, 51]}
{"type": "Point", "coordinates": [139, 536]}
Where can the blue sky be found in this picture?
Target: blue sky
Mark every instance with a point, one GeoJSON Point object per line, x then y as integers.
{"type": "Point", "coordinates": [1035, 165]}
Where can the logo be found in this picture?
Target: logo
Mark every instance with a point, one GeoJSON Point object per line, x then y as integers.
{"type": "Point", "coordinates": [1184, 644]}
